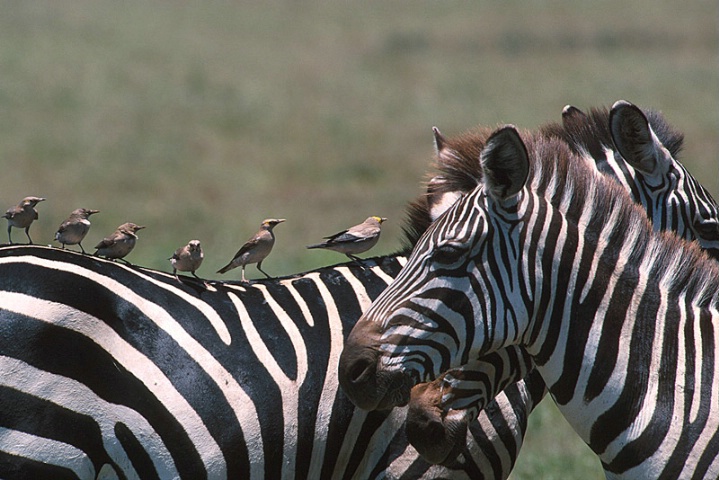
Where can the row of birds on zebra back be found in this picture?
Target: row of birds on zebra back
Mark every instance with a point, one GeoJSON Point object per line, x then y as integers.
{"type": "Point", "coordinates": [351, 241]}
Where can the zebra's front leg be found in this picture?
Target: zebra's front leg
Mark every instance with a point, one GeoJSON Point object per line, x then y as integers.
{"type": "Point", "coordinates": [440, 411]}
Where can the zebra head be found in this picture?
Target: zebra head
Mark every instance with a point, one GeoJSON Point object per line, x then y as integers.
{"type": "Point", "coordinates": [640, 150]}
{"type": "Point", "coordinates": [429, 320]}
{"type": "Point", "coordinates": [673, 198]}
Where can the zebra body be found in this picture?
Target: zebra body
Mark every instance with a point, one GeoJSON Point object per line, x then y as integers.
{"type": "Point", "coordinates": [547, 254]}
{"type": "Point", "coordinates": [120, 372]}
{"type": "Point", "coordinates": [671, 196]}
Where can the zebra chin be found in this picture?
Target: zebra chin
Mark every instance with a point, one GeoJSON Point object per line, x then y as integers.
{"type": "Point", "coordinates": [437, 435]}
{"type": "Point", "coordinates": [367, 385]}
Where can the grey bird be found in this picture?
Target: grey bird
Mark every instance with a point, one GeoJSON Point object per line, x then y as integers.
{"type": "Point", "coordinates": [354, 240]}
{"type": "Point", "coordinates": [256, 249]}
{"type": "Point", "coordinates": [22, 215]}
{"type": "Point", "coordinates": [187, 259]}
{"type": "Point", "coordinates": [73, 230]}
{"type": "Point", "coordinates": [120, 243]}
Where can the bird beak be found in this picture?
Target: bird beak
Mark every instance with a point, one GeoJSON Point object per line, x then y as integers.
{"type": "Point", "coordinates": [280, 220]}
{"type": "Point", "coordinates": [140, 227]}
{"type": "Point", "coordinates": [91, 212]}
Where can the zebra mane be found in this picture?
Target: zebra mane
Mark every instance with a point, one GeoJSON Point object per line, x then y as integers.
{"type": "Point", "coordinates": [556, 172]}
{"type": "Point", "coordinates": [456, 168]}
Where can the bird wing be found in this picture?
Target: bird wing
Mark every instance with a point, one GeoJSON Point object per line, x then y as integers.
{"type": "Point", "coordinates": [337, 236]}
{"type": "Point", "coordinates": [12, 211]}
{"type": "Point", "coordinates": [251, 243]}
{"type": "Point", "coordinates": [106, 242]}
{"type": "Point", "coordinates": [63, 226]}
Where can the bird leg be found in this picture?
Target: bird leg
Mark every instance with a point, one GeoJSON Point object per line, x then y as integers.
{"type": "Point", "coordinates": [27, 232]}
{"type": "Point", "coordinates": [9, 228]}
{"type": "Point", "coordinates": [260, 269]}
{"type": "Point", "coordinates": [356, 260]}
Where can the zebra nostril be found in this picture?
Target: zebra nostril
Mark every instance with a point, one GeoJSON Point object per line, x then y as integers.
{"type": "Point", "coordinates": [362, 370]}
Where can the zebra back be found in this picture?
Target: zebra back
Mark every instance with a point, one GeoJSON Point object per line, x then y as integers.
{"type": "Point", "coordinates": [122, 371]}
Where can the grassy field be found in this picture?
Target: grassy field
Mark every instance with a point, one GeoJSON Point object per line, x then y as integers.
{"type": "Point", "coordinates": [199, 119]}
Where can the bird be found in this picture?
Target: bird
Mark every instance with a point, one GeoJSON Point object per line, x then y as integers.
{"type": "Point", "coordinates": [120, 243]}
{"type": "Point", "coordinates": [73, 230]}
{"type": "Point", "coordinates": [187, 259]}
{"type": "Point", "coordinates": [22, 215]}
{"type": "Point", "coordinates": [354, 240]}
{"type": "Point", "coordinates": [256, 249]}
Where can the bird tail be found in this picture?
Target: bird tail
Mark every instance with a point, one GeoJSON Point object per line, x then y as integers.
{"type": "Point", "coordinates": [317, 245]}
{"type": "Point", "coordinates": [225, 268]}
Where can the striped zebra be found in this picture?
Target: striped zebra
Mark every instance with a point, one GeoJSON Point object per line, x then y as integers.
{"type": "Point", "coordinates": [671, 196]}
{"type": "Point", "coordinates": [112, 371]}
{"type": "Point", "coordinates": [547, 254]}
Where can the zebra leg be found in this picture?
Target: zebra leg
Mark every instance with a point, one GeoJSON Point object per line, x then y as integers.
{"type": "Point", "coordinates": [440, 411]}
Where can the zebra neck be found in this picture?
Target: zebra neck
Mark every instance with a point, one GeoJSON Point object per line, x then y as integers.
{"type": "Point", "coordinates": [621, 323]}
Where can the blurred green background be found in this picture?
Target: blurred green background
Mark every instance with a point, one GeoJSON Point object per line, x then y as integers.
{"type": "Point", "coordinates": [200, 119]}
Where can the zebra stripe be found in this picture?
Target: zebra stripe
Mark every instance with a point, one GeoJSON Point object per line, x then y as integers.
{"type": "Point", "coordinates": [590, 136]}
{"type": "Point", "coordinates": [122, 372]}
{"type": "Point", "coordinates": [611, 359]}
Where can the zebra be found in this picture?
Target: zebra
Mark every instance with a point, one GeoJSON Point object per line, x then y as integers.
{"type": "Point", "coordinates": [649, 171]}
{"type": "Point", "coordinates": [545, 253]}
{"type": "Point", "coordinates": [113, 371]}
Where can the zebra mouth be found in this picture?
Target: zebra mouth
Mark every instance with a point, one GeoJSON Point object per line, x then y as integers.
{"type": "Point", "coordinates": [397, 391]}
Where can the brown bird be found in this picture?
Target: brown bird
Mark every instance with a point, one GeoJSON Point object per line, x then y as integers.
{"type": "Point", "coordinates": [354, 240]}
{"type": "Point", "coordinates": [22, 215]}
{"type": "Point", "coordinates": [256, 249]}
{"type": "Point", "coordinates": [187, 259]}
{"type": "Point", "coordinates": [120, 243]}
{"type": "Point", "coordinates": [73, 230]}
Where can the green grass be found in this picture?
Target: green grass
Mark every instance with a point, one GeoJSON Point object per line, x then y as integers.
{"type": "Point", "coordinates": [199, 119]}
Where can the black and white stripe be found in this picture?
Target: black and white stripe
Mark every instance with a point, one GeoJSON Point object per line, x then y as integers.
{"type": "Point", "coordinates": [671, 196]}
{"type": "Point", "coordinates": [546, 254]}
{"type": "Point", "coordinates": [121, 371]}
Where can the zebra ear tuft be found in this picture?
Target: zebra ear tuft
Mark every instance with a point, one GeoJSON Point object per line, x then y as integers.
{"type": "Point", "coordinates": [505, 163]}
{"type": "Point", "coordinates": [634, 138]}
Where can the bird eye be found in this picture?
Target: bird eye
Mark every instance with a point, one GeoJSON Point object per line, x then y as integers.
{"type": "Point", "coordinates": [448, 253]}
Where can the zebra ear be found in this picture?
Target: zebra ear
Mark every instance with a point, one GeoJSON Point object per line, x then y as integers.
{"type": "Point", "coordinates": [439, 140]}
{"type": "Point", "coordinates": [505, 163]}
{"type": "Point", "coordinates": [570, 113]}
{"type": "Point", "coordinates": [635, 140]}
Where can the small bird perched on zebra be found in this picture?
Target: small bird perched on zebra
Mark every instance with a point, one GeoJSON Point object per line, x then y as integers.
{"type": "Point", "coordinates": [187, 259]}
{"type": "Point", "coordinates": [22, 215]}
{"type": "Point", "coordinates": [120, 243]}
{"type": "Point", "coordinates": [256, 249]}
{"type": "Point", "coordinates": [73, 230]}
{"type": "Point", "coordinates": [354, 240]}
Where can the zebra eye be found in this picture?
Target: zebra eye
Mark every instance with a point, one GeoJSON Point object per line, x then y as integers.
{"type": "Point", "coordinates": [707, 229]}
{"type": "Point", "coordinates": [448, 253]}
